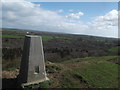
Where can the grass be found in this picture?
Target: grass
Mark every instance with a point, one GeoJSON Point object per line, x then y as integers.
{"type": "Point", "coordinates": [10, 64]}
{"type": "Point", "coordinates": [47, 37]}
{"type": "Point", "coordinates": [68, 81]}
{"type": "Point", "coordinates": [102, 75]}
{"type": "Point", "coordinates": [55, 37]}
{"type": "Point", "coordinates": [114, 49]}
{"type": "Point", "coordinates": [45, 84]}
{"type": "Point", "coordinates": [38, 86]}
{"type": "Point", "coordinates": [44, 37]}
{"type": "Point", "coordinates": [22, 36]}
{"type": "Point", "coordinates": [96, 72]}
{"type": "Point", "coordinates": [65, 38]}
{"type": "Point", "coordinates": [91, 59]}
{"type": "Point", "coordinates": [53, 68]}
{"type": "Point", "coordinates": [100, 40]}
{"type": "Point", "coordinates": [12, 36]}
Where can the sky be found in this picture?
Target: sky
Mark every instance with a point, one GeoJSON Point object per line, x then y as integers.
{"type": "Point", "coordinates": [91, 9]}
{"type": "Point", "coordinates": [86, 18]}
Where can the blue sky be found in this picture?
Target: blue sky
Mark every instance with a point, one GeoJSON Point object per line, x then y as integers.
{"type": "Point", "coordinates": [90, 9]}
{"type": "Point", "coordinates": [87, 18]}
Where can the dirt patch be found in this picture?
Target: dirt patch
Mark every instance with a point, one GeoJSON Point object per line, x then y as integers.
{"type": "Point", "coordinates": [10, 74]}
{"type": "Point", "coordinates": [9, 79]}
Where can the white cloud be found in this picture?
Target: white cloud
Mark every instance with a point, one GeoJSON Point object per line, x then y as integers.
{"type": "Point", "coordinates": [108, 21]}
{"type": "Point", "coordinates": [110, 18]}
{"type": "Point", "coordinates": [70, 10]}
{"type": "Point", "coordinates": [75, 15]}
{"type": "Point", "coordinates": [60, 11]}
{"type": "Point", "coordinates": [12, 0]}
{"type": "Point", "coordinates": [106, 25]}
{"type": "Point", "coordinates": [26, 15]}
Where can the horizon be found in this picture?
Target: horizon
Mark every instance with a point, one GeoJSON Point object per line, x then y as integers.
{"type": "Point", "coordinates": [60, 33]}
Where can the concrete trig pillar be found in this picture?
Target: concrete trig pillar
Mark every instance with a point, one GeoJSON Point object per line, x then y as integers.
{"type": "Point", "coordinates": [32, 68]}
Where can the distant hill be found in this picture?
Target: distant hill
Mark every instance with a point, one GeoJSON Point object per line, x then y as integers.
{"type": "Point", "coordinates": [59, 46]}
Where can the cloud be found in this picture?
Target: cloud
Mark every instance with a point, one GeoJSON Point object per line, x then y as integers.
{"type": "Point", "coordinates": [106, 25]}
{"type": "Point", "coordinates": [70, 10]}
{"type": "Point", "coordinates": [26, 15]}
{"type": "Point", "coordinates": [75, 15]}
{"type": "Point", "coordinates": [108, 21]}
{"type": "Point", "coordinates": [110, 18]}
{"type": "Point", "coordinates": [12, 0]}
{"type": "Point", "coordinates": [60, 11]}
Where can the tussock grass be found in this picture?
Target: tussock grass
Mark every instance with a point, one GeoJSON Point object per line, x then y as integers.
{"type": "Point", "coordinates": [97, 73]}
{"type": "Point", "coordinates": [89, 72]}
{"type": "Point", "coordinates": [104, 58]}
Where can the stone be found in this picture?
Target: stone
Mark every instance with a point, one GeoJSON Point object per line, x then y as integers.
{"type": "Point", "coordinates": [32, 68]}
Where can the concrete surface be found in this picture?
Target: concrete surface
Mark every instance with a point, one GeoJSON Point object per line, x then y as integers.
{"type": "Point", "coordinates": [32, 68]}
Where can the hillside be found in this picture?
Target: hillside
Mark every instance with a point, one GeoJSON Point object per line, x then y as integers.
{"type": "Point", "coordinates": [59, 47]}
{"type": "Point", "coordinates": [72, 61]}
{"type": "Point", "coordinates": [89, 72]}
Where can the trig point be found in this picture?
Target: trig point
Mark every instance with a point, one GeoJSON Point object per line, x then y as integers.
{"type": "Point", "coordinates": [32, 68]}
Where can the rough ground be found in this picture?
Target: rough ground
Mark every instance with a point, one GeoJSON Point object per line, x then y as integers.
{"type": "Point", "coordinates": [10, 74]}
{"type": "Point", "coordinates": [70, 73]}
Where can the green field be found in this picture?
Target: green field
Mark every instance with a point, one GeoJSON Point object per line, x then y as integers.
{"type": "Point", "coordinates": [12, 36]}
{"type": "Point", "coordinates": [89, 72]}
{"type": "Point", "coordinates": [44, 37]}
{"type": "Point", "coordinates": [102, 75]}
{"type": "Point", "coordinates": [92, 72]}
{"type": "Point", "coordinates": [114, 49]}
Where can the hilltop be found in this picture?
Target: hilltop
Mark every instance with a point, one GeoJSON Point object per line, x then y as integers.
{"type": "Point", "coordinates": [92, 72]}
